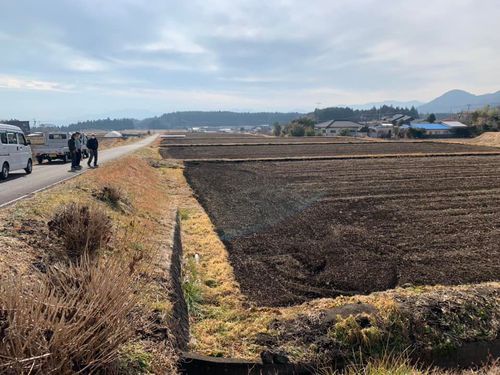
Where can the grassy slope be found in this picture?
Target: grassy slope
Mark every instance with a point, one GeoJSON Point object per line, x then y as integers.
{"type": "Point", "coordinates": [142, 229]}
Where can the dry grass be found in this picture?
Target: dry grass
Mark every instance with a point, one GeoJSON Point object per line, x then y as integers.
{"type": "Point", "coordinates": [140, 243]}
{"type": "Point", "coordinates": [83, 229]}
{"type": "Point", "coordinates": [491, 139]}
{"type": "Point", "coordinates": [73, 319]}
{"type": "Point", "coordinates": [105, 143]}
{"type": "Point", "coordinates": [400, 364]}
{"type": "Point", "coordinates": [222, 324]}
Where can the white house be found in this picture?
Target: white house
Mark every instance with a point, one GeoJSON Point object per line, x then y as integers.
{"type": "Point", "coordinates": [334, 128]}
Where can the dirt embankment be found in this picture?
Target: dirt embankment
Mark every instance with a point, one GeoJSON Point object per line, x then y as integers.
{"type": "Point", "coordinates": [488, 139]}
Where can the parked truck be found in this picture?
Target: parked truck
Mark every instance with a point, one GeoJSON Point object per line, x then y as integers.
{"type": "Point", "coordinates": [53, 146]}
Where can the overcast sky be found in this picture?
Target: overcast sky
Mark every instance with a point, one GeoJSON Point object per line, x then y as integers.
{"type": "Point", "coordinates": [68, 59]}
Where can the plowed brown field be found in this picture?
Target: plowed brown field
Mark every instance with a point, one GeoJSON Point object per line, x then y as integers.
{"type": "Point", "coordinates": [251, 151]}
{"type": "Point", "coordinates": [300, 230]}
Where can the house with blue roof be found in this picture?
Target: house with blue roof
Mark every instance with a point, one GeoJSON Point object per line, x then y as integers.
{"type": "Point", "coordinates": [431, 129]}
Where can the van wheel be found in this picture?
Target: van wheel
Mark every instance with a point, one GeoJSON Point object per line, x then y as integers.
{"type": "Point", "coordinates": [65, 158]}
{"type": "Point", "coordinates": [29, 167]}
{"type": "Point", "coordinates": [5, 171]}
{"type": "Point", "coordinates": [39, 159]}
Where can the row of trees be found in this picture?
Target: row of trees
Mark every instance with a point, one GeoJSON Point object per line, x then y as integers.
{"type": "Point", "coordinates": [346, 113]}
{"type": "Point", "coordinates": [188, 119]}
{"type": "Point", "coordinates": [104, 124]}
{"type": "Point", "coordinates": [485, 119]}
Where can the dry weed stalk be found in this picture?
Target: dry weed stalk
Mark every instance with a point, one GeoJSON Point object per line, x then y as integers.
{"type": "Point", "coordinates": [73, 319]}
{"type": "Point", "coordinates": [83, 229]}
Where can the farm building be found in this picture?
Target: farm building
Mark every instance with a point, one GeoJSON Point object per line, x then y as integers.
{"type": "Point", "coordinates": [385, 130]}
{"type": "Point", "coordinates": [398, 119]}
{"type": "Point", "coordinates": [454, 124]}
{"type": "Point", "coordinates": [337, 127]}
{"type": "Point", "coordinates": [430, 129]}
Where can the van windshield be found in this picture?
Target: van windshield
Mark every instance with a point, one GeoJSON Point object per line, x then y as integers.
{"type": "Point", "coordinates": [3, 138]}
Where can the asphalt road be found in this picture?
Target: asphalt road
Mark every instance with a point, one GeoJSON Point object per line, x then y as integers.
{"type": "Point", "coordinates": [20, 185]}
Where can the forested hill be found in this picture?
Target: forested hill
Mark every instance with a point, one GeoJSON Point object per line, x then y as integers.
{"type": "Point", "coordinates": [180, 120]}
{"type": "Point", "coordinates": [190, 119]}
{"type": "Point", "coordinates": [222, 118]}
{"type": "Point", "coordinates": [104, 124]}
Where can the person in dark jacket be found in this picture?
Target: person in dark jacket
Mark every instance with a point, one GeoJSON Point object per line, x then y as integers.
{"type": "Point", "coordinates": [73, 152]}
{"type": "Point", "coordinates": [78, 145]}
{"type": "Point", "coordinates": [92, 145]}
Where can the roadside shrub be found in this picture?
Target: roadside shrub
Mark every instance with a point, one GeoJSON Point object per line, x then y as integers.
{"type": "Point", "coordinates": [111, 194]}
{"type": "Point", "coordinates": [416, 133]}
{"type": "Point", "coordinates": [83, 229]}
{"type": "Point", "coordinates": [71, 319]}
{"type": "Point", "coordinates": [309, 132]}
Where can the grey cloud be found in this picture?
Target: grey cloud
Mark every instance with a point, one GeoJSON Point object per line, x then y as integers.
{"type": "Point", "coordinates": [263, 52]}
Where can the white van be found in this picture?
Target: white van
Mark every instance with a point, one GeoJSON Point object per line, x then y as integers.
{"type": "Point", "coordinates": [15, 151]}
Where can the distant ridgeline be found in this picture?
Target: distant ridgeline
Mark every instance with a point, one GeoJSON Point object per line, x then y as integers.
{"type": "Point", "coordinates": [189, 119]}
{"type": "Point", "coordinates": [180, 120]}
{"type": "Point", "coordinates": [104, 124]}
{"type": "Point", "coordinates": [213, 119]}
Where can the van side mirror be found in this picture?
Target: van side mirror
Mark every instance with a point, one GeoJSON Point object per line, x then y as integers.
{"type": "Point", "coordinates": [28, 142]}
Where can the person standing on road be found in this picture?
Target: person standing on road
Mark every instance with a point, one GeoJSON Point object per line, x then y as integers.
{"type": "Point", "coordinates": [72, 151]}
{"type": "Point", "coordinates": [78, 145]}
{"type": "Point", "coordinates": [92, 145]}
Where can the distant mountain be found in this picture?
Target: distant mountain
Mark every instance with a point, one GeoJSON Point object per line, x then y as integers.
{"type": "Point", "coordinates": [459, 100]}
{"type": "Point", "coordinates": [391, 103]}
